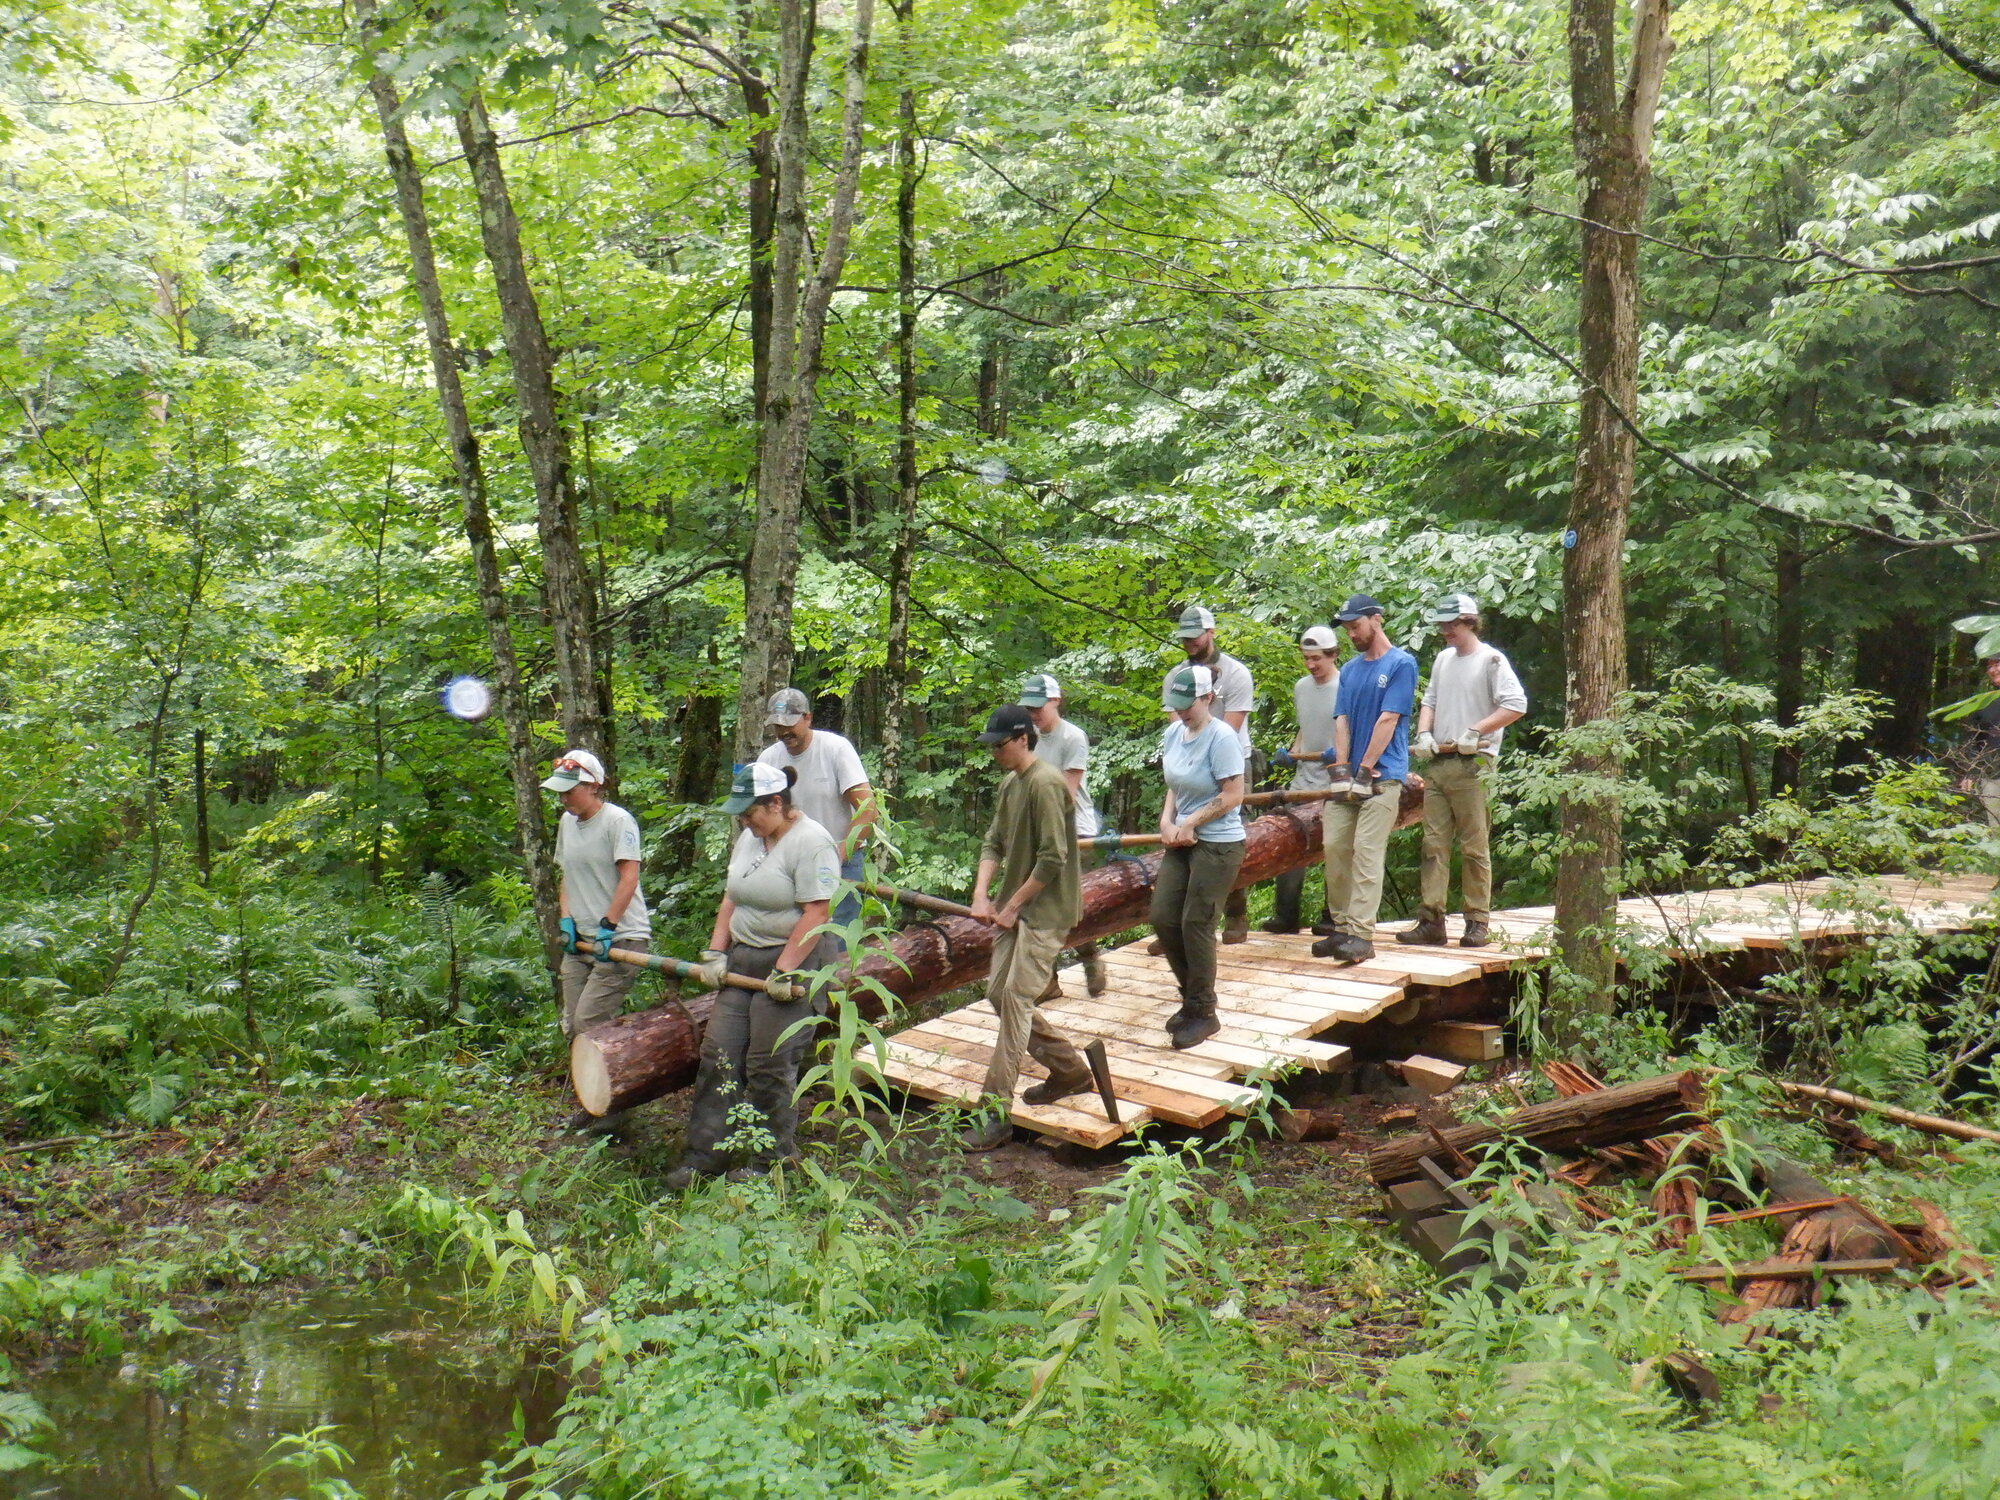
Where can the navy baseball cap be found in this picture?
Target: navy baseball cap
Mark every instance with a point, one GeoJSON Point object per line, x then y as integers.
{"type": "Point", "coordinates": [1356, 606]}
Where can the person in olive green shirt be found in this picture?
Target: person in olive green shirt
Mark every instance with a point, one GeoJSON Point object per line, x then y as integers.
{"type": "Point", "coordinates": [1031, 846]}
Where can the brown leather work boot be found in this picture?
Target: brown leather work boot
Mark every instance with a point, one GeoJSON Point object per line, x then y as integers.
{"type": "Point", "coordinates": [1059, 1086]}
{"type": "Point", "coordinates": [1477, 935]}
{"type": "Point", "coordinates": [1429, 933]}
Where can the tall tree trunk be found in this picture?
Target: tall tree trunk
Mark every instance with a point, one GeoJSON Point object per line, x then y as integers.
{"type": "Point", "coordinates": [1788, 639]}
{"type": "Point", "coordinates": [566, 586]}
{"type": "Point", "coordinates": [798, 329]}
{"type": "Point", "coordinates": [903, 557]}
{"type": "Point", "coordinates": [203, 853]}
{"type": "Point", "coordinates": [1898, 659]}
{"type": "Point", "coordinates": [523, 758]}
{"type": "Point", "coordinates": [1613, 135]}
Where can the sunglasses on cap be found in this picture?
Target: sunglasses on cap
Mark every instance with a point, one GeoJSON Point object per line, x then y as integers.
{"type": "Point", "coordinates": [569, 764]}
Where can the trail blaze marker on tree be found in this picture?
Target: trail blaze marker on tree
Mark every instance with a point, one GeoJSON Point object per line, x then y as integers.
{"type": "Point", "coordinates": [1569, 538]}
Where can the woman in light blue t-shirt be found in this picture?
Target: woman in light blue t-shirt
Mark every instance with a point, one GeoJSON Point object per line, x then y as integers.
{"type": "Point", "coordinates": [1201, 829]}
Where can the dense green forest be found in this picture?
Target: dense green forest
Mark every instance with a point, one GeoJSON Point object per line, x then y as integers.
{"type": "Point", "coordinates": [639, 359]}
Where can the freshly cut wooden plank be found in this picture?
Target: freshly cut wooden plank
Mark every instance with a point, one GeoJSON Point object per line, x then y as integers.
{"type": "Point", "coordinates": [1234, 994]}
{"type": "Point", "coordinates": [969, 1066]}
{"type": "Point", "coordinates": [1247, 1051]}
{"type": "Point", "coordinates": [1136, 1064]}
{"type": "Point", "coordinates": [1078, 1125]}
{"type": "Point", "coordinates": [1466, 1041]}
{"type": "Point", "coordinates": [983, 1026]}
{"type": "Point", "coordinates": [1158, 1010]}
{"type": "Point", "coordinates": [1432, 1075]}
{"type": "Point", "coordinates": [1310, 976]}
{"type": "Point", "coordinates": [1430, 966]}
{"type": "Point", "coordinates": [1301, 1018]}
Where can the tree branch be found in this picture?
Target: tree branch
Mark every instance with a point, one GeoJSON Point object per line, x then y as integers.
{"type": "Point", "coordinates": [1986, 73]}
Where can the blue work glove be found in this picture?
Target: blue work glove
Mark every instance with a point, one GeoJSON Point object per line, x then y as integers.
{"type": "Point", "coordinates": [569, 934]}
{"type": "Point", "coordinates": [606, 931]}
{"type": "Point", "coordinates": [1284, 758]}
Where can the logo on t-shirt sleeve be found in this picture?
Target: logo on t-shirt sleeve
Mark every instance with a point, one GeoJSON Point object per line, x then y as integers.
{"type": "Point", "coordinates": [825, 881]}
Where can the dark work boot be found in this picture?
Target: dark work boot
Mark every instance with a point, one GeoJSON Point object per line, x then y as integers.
{"type": "Point", "coordinates": [1428, 933]}
{"type": "Point", "coordinates": [1236, 918]}
{"type": "Point", "coordinates": [1197, 1025]}
{"type": "Point", "coordinates": [1477, 935]}
{"type": "Point", "coordinates": [1059, 1086]}
{"type": "Point", "coordinates": [1285, 893]}
{"type": "Point", "coordinates": [1345, 947]}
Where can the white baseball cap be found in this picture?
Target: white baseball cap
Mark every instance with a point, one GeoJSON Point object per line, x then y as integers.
{"type": "Point", "coordinates": [1453, 607]}
{"type": "Point", "coordinates": [575, 766]}
{"type": "Point", "coordinates": [1319, 638]}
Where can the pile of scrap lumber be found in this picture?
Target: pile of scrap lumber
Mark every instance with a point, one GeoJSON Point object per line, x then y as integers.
{"type": "Point", "coordinates": [1657, 1130]}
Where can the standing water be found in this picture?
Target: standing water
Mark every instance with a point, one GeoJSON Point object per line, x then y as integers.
{"type": "Point", "coordinates": [416, 1394]}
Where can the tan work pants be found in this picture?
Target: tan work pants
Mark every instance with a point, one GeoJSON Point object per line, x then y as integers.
{"type": "Point", "coordinates": [1455, 809]}
{"type": "Point", "coordinates": [1356, 837]}
{"type": "Point", "coordinates": [1024, 961]}
{"type": "Point", "coordinates": [593, 993]}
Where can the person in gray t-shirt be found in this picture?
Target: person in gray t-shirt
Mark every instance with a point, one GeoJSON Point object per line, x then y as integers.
{"type": "Point", "coordinates": [1312, 699]}
{"type": "Point", "coordinates": [783, 873]}
{"type": "Point", "coordinates": [1235, 697]}
{"type": "Point", "coordinates": [597, 846]}
{"type": "Point", "coordinates": [1065, 746]}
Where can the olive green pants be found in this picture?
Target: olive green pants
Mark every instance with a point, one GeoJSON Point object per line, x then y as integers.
{"type": "Point", "coordinates": [1189, 893]}
{"type": "Point", "coordinates": [1356, 841]}
{"type": "Point", "coordinates": [1024, 961]}
{"type": "Point", "coordinates": [1455, 811]}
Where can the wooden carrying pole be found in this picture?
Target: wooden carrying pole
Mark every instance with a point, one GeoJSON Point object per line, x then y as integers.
{"type": "Point", "coordinates": [918, 899]}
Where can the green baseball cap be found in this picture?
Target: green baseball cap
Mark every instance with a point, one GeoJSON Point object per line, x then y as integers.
{"type": "Point", "coordinates": [1194, 620]}
{"type": "Point", "coordinates": [1038, 688]}
{"type": "Point", "coordinates": [1187, 684]}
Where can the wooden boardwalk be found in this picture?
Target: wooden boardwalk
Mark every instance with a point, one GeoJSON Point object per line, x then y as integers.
{"type": "Point", "coordinates": [1275, 999]}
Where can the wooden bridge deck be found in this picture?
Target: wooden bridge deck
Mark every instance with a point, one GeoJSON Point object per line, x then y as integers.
{"type": "Point", "coordinates": [1274, 998]}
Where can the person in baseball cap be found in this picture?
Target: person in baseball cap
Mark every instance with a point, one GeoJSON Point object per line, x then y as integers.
{"type": "Point", "coordinates": [575, 768]}
{"type": "Point", "coordinates": [831, 785]}
{"type": "Point", "coordinates": [1030, 846]}
{"type": "Point", "coordinates": [1235, 697]}
{"type": "Point", "coordinates": [1371, 750]}
{"type": "Point", "coordinates": [770, 925]}
{"type": "Point", "coordinates": [1202, 839]}
{"type": "Point", "coordinates": [1064, 746]}
{"type": "Point", "coordinates": [598, 850]}
{"type": "Point", "coordinates": [1473, 696]}
{"type": "Point", "coordinates": [1312, 702]}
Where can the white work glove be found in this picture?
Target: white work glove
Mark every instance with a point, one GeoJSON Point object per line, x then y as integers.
{"type": "Point", "coordinates": [711, 968]}
{"type": "Point", "coordinates": [1426, 747]}
{"type": "Point", "coordinates": [785, 988]}
{"type": "Point", "coordinates": [1469, 742]}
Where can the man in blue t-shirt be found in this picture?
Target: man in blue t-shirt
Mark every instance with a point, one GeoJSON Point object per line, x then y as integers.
{"type": "Point", "coordinates": [1371, 754]}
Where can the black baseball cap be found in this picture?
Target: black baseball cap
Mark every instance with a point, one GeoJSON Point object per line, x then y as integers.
{"type": "Point", "coordinates": [1356, 606]}
{"type": "Point", "coordinates": [1005, 722]}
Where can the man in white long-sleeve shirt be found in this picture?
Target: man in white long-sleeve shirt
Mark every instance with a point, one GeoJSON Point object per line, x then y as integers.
{"type": "Point", "coordinates": [1473, 696]}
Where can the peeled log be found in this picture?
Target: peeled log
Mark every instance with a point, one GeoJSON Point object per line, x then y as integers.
{"type": "Point", "coordinates": [1607, 1117]}
{"type": "Point", "coordinates": [653, 1052]}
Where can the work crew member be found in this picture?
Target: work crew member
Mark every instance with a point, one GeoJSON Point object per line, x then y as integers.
{"type": "Point", "coordinates": [1235, 696]}
{"type": "Point", "coordinates": [783, 873]}
{"type": "Point", "coordinates": [1313, 701]}
{"type": "Point", "coordinates": [1979, 755]}
{"type": "Point", "coordinates": [1201, 829]}
{"type": "Point", "coordinates": [1473, 696]}
{"type": "Point", "coordinates": [597, 847]}
{"type": "Point", "coordinates": [1371, 744]}
{"type": "Point", "coordinates": [1031, 846]}
{"type": "Point", "coordinates": [1062, 744]}
{"type": "Point", "coordinates": [831, 786]}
